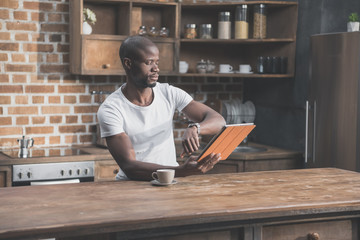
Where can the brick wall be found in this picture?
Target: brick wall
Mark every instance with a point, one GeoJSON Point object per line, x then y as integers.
{"type": "Point", "coordinates": [41, 99]}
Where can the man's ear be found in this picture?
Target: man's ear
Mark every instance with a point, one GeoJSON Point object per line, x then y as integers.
{"type": "Point", "coordinates": [127, 63]}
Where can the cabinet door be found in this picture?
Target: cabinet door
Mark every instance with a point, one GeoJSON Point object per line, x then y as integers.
{"type": "Point", "coordinates": [101, 56]}
{"type": "Point", "coordinates": [331, 230]}
{"type": "Point", "coordinates": [106, 170]}
{"type": "Point", "coordinates": [5, 176]}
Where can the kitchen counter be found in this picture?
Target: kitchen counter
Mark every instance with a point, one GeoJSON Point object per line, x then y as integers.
{"type": "Point", "coordinates": [248, 205]}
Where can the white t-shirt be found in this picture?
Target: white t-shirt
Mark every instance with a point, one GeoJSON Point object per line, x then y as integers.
{"type": "Point", "coordinates": [149, 128]}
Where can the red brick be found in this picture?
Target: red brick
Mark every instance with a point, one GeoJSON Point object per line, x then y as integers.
{"type": "Point", "coordinates": [11, 89]}
{"type": "Point", "coordinates": [20, 15]}
{"type": "Point", "coordinates": [38, 120]}
{"type": "Point", "coordinates": [54, 78]}
{"type": "Point", "coordinates": [39, 130]}
{"type": "Point", "coordinates": [87, 118]}
{"type": "Point", "coordinates": [18, 57]}
{"type": "Point", "coordinates": [54, 140]}
{"type": "Point", "coordinates": [9, 142]}
{"type": "Point", "coordinates": [22, 120]}
{"type": "Point", "coordinates": [39, 89]}
{"type": "Point", "coordinates": [54, 99]}
{"type": "Point", "coordinates": [35, 58]}
{"type": "Point", "coordinates": [66, 58]}
{"type": "Point", "coordinates": [55, 38]}
{"type": "Point", "coordinates": [19, 78]}
{"type": "Point", "coordinates": [10, 131]}
{"type": "Point", "coordinates": [63, 48]}
{"type": "Point", "coordinates": [21, 26]}
{"type": "Point", "coordinates": [39, 141]}
{"type": "Point", "coordinates": [72, 129]}
{"type": "Point", "coordinates": [86, 138]}
{"type": "Point", "coordinates": [71, 139]}
{"type": "Point", "coordinates": [9, 4]}
{"type": "Point", "coordinates": [38, 37]}
{"type": "Point", "coordinates": [86, 109]}
{"type": "Point", "coordinates": [55, 109]}
{"type": "Point", "coordinates": [85, 99]}
{"type": "Point", "coordinates": [21, 99]}
{"type": "Point", "coordinates": [71, 119]}
{"type": "Point", "coordinates": [37, 99]}
{"type": "Point", "coordinates": [4, 14]}
{"type": "Point", "coordinates": [69, 99]}
{"type": "Point", "coordinates": [5, 121]}
{"type": "Point", "coordinates": [21, 37]}
{"type": "Point", "coordinates": [62, 7]}
{"type": "Point", "coordinates": [71, 89]}
{"type": "Point", "coordinates": [55, 28]}
{"type": "Point", "coordinates": [3, 57]}
{"type": "Point", "coordinates": [9, 46]}
{"type": "Point", "coordinates": [4, 78]}
{"type": "Point", "coordinates": [23, 110]}
{"type": "Point", "coordinates": [55, 119]}
{"type": "Point", "coordinates": [38, 17]}
{"type": "Point", "coordinates": [4, 36]}
{"type": "Point", "coordinates": [52, 58]}
{"type": "Point", "coordinates": [37, 78]}
{"type": "Point", "coordinates": [33, 47]}
{"type": "Point", "coordinates": [54, 17]}
{"type": "Point", "coordinates": [35, 5]}
{"type": "Point", "coordinates": [20, 68]}
{"type": "Point", "coordinates": [5, 100]}
{"type": "Point", "coordinates": [53, 68]}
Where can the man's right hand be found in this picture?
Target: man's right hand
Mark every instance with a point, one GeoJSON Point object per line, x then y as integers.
{"type": "Point", "coordinates": [192, 166]}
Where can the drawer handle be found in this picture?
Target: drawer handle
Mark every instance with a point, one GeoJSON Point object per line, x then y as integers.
{"type": "Point", "coordinates": [313, 236]}
{"type": "Point", "coordinates": [116, 171]}
{"type": "Point", "coordinates": [106, 65]}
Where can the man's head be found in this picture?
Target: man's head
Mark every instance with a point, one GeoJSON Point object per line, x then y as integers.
{"type": "Point", "coordinates": [140, 59]}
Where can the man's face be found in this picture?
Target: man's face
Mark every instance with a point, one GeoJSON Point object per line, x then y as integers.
{"type": "Point", "coordinates": [145, 69]}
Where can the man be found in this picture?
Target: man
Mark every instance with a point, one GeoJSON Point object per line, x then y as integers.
{"type": "Point", "coordinates": [136, 119]}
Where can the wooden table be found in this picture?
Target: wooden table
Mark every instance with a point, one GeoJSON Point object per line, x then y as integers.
{"type": "Point", "coordinates": [286, 204]}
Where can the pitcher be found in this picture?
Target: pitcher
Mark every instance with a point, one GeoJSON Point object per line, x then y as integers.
{"type": "Point", "coordinates": [25, 144]}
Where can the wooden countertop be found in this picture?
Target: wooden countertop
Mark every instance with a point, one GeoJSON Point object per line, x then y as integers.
{"type": "Point", "coordinates": [87, 208]}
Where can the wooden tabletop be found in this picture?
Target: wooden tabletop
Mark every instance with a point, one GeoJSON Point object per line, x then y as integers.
{"type": "Point", "coordinates": [86, 208]}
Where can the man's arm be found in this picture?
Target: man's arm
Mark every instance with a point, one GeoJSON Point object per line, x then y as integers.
{"type": "Point", "coordinates": [211, 122]}
{"type": "Point", "coordinates": [123, 152]}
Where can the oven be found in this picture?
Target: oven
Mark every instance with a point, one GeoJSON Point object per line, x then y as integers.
{"type": "Point", "coordinates": [52, 173]}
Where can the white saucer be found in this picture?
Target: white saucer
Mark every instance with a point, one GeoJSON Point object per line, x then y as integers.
{"type": "Point", "coordinates": [244, 72]}
{"type": "Point", "coordinates": [157, 183]}
{"type": "Point", "coordinates": [225, 72]}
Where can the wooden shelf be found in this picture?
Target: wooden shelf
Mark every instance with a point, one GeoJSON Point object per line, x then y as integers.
{"type": "Point", "coordinates": [236, 75]}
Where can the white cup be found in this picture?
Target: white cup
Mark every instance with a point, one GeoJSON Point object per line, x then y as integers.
{"type": "Point", "coordinates": [244, 68]}
{"type": "Point", "coordinates": [164, 176]}
{"type": "Point", "coordinates": [225, 68]}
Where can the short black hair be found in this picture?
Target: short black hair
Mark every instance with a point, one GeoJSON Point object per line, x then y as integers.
{"type": "Point", "coordinates": [132, 45]}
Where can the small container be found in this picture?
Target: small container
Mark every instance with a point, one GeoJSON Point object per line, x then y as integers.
{"type": "Point", "coordinates": [142, 31]}
{"type": "Point", "coordinates": [260, 21]}
{"type": "Point", "coordinates": [201, 66]}
{"type": "Point", "coordinates": [190, 31]}
{"type": "Point", "coordinates": [224, 25]}
{"type": "Point", "coordinates": [164, 32]}
{"type": "Point", "coordinates": [283, 65]}
{"type": "Point", "coordinates": [206, 31]}
{"type": "Point", "coordinates": [260, 67]}
{"type": "Point", "coordinates": [241, 22]}
{"type": "Point", "coordinates": [153, 32]}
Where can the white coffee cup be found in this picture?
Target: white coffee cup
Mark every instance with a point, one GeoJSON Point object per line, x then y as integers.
{"type": "Point", "coordinates": [225, 68]}
{"type": "Point", "coordinates": [164, 176]}
{"type": "Point", "coordinates": [183, 67]}
{"type": "Point", "coordinates": [244, 68]}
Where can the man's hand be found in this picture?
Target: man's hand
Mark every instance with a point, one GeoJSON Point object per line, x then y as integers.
{"type": "Point", "coordinates": [192, 166]}
{"type": "Point", "coordinates": [190, 141]}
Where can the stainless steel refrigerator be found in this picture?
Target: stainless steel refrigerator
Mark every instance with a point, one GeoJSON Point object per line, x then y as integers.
{"type": "Point", "coordinates": [333, 107]}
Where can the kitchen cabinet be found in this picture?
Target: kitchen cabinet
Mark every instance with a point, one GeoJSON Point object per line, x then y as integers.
{"type": "Point", "coordinates": [105, 170]}
{"type": "Point", "coordinates": [5, 176]}
{"type": "Point", "coordinates": [97, 53]}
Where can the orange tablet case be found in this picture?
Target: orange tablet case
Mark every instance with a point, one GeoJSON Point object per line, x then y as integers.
{"type": "Point", "coordinates": [227, 140]}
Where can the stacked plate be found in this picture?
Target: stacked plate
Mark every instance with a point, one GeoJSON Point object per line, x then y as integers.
{"type": "Point", "coordinates": [236, 112]}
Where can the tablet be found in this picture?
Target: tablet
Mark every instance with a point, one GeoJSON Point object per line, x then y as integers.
{"type": "Point", "coordinates": [227, 140]}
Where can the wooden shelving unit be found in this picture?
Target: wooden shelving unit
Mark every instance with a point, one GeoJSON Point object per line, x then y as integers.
{"type": "Point", "coordinates": [97, 54]}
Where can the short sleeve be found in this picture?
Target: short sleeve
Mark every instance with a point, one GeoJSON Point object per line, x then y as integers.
{"type": "Point", "coordinates": [180, 97]}
{"type": "Point", "coordinates": [110, 120]}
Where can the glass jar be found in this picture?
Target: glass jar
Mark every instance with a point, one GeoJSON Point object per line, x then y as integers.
{"type": "Point", "coordinates": [224, 25]}
{"type": "Point", "coordinates": [142, 31]}
{"type": "Point", "coordinates": [241, 22]}
{"type": "Point", "coordinates": [260, 21]}
{"type": "Point", "coordinates": [206, 31]}
{"type": "Point", "coordinates": [153, 32]}
{"type": "Point", "coordinates": [164, 32]}
{"type": "Point", "coordinates": [190, 31]}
